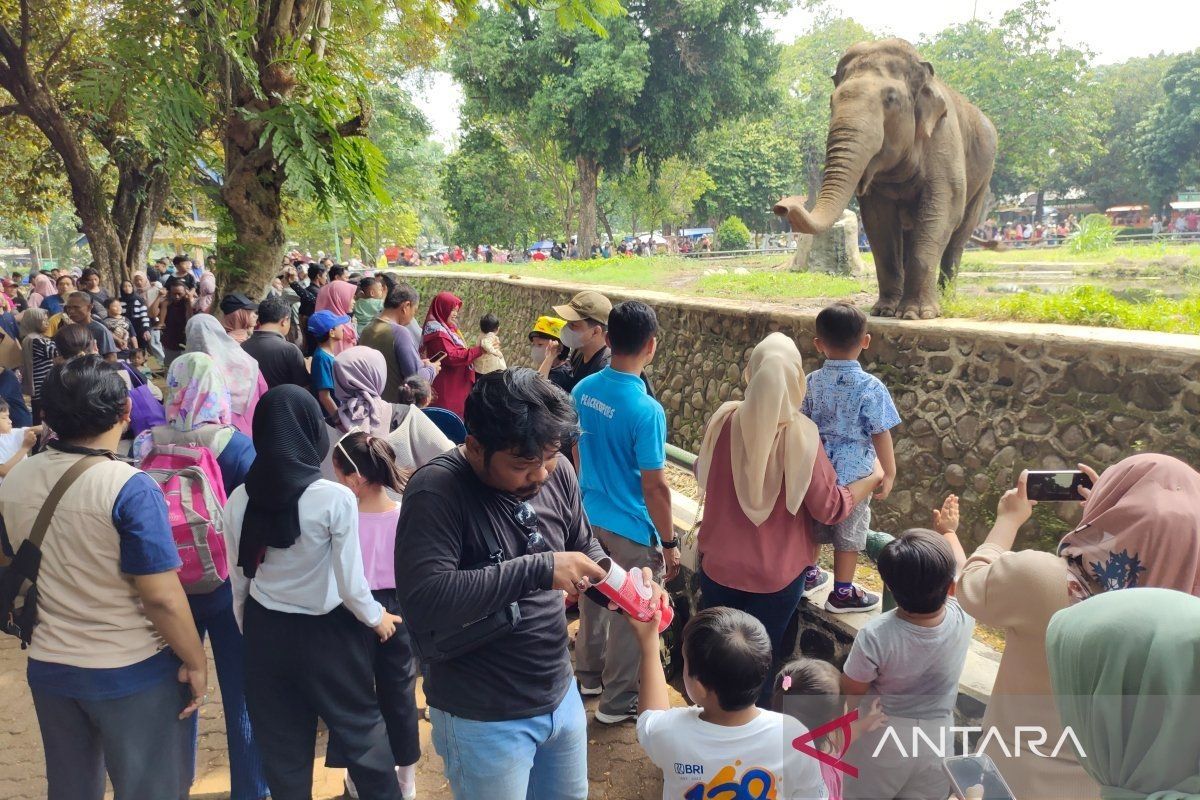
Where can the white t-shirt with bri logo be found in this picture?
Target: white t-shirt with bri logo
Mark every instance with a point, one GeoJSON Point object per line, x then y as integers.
{"type": "Point", "coordinates": [701, 760]}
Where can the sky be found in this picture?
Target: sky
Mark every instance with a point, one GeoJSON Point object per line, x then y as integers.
{"type": "Point", "coordinates": [1115, 30]}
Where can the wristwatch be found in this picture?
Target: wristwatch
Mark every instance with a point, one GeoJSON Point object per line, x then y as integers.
{"type": "Point", "coordinates": [671, 545]}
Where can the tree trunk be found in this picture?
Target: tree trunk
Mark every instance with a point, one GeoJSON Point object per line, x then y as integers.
{"type": "Point", "coordinates": [607, 225]}
{"type": "Point", "coordinates": [589, 174]}
{"type": "Point", "coordinates": [1040, 207]}
{"type": "Point", "coordinates": [813, 165]}
{"type": "Point", "coordinates": [142, 189]}
{"type": "Point", "coordinates": [252, 194]}
{"type": "Point", "coordinates": [34, 100]}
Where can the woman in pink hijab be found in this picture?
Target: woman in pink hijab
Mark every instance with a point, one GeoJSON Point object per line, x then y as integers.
{"type": "Point", "coordinates": [43, 287]}
{"type": "Point", "coordinates": [338, 297]}
{"type": "Point", "coordinates": [1140, 527]}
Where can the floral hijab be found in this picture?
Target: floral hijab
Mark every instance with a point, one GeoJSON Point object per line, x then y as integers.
{"type": "Point", "coordinates": [196, 395]}
{"type": "Point", "coordinates": [204, 334]}
{"type": "Point", "coordinates": [1140, 527]}
{"type": "Point", "coordinates": [437, 321]}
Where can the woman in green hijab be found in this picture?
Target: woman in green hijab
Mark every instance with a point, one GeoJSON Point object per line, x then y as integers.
{"type": "Point", "coordinates": [1125, 667]}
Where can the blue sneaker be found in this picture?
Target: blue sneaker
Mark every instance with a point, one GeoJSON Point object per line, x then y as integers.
{"type": "Point", "coordinates": [815, 578]}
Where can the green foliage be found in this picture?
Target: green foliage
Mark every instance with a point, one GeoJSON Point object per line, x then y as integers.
{"type": "Point", "coordinates": [1084, 305]}
{"type": "Point", "coordinates": [732, 234]}
{"type": "Point", "coordinates": [1096, 232]}
{"type": "Point", "coordinates": [665, 72]}
{"type": "Point", "coordinates": [1038, 92]}
{"type": "Point", "coordinates": [490, 193]}
{"type": "Point", "coordinates": [1170, 134]}
{"type": "Point", "coordinates": [751, 163]}
{"type": "Point", "coordinates": [644, 199]}
{"type": "Point", "coordinates": [1124, 94]}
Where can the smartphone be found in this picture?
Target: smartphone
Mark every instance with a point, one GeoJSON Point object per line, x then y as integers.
{"type": "Point", "coordinates": [1056, 484]}
{"type": "Point", "coordinates": [976, 778]}
{"type": "Point", "coordinates": [438, 357]}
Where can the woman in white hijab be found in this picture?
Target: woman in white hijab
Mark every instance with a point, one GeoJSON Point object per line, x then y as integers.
{"type": "Point", "coordinates": [764, 478]}
{"type": "Point", "coordinates": [204, 334]}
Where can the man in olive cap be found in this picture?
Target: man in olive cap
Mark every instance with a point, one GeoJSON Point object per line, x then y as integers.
{"type": "Point", "coordinates": [584, 334]}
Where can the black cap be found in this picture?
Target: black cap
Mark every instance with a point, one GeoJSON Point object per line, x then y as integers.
{"type": "Point", "coordinates": [237, 302]}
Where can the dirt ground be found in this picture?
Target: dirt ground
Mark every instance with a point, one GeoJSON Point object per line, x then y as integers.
{"type": "Point", "coordinates": [617, 769]}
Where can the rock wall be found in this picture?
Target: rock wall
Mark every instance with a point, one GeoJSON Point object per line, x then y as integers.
{"type": "Point", "coordinates": [980, 401]}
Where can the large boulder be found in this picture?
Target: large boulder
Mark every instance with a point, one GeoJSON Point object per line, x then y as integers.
{"type": "Point", "coordinates": [835, 251]}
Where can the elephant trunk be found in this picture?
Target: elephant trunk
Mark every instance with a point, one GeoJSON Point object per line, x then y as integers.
{"type": "Point", "coordinates": [847, 154]}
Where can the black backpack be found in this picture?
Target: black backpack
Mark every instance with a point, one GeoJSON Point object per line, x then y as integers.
{"type": "Point", "coordinates": [18, 581]}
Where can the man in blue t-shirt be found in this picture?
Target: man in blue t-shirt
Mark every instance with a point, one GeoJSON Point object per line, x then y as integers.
{"type": "Point", "coordinates": [627, 499]}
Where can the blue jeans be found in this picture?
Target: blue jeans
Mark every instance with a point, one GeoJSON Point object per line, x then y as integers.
{"type": "Point", "coordinates": [773, 609]}
{"type": "Point", "coordinates": [213, 614]}
{"type": "Point", "coordinates": [540, 758]}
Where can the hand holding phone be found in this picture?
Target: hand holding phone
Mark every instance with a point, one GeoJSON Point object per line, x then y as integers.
{"type": "Point", "coordinates": [976, 778]}
{"type": "Point", "coordinates": [435, 359]}
{"type": "Point", "coordinates": [1057, 485]}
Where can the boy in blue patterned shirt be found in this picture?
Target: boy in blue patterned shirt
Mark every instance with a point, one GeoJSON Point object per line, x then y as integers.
{"type": "Point", "coordinates": [855, 414]}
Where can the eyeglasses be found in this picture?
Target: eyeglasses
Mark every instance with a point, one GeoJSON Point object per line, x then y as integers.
{"type": "Point", "coordinates": [527, 518]}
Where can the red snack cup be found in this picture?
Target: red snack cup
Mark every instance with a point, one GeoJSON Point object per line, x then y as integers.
{"type": "Point", "coordinates": [629, 593]}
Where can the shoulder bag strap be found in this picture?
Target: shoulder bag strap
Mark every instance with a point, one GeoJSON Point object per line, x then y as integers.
{"type": "Point", "coordinates": [47, 511]}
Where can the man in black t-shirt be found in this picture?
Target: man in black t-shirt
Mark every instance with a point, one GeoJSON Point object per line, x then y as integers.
{"type": "Point", "coordinates": [493, 707]}
{"type": "Point", "coordinates": [586, 334]}
{"type": "Point", "coordinates": [78, 309]}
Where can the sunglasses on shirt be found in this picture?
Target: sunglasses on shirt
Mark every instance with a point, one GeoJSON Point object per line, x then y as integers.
{"type": "Point", "coordinates": [524, 515]}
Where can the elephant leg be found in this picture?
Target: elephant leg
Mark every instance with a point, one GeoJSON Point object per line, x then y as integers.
{"type": "Point", "coordinates": [958, 241]}
{"type": "Point", "coordinates": [881, 220]}
{"type": "Point", "coordinates": [929, 240]}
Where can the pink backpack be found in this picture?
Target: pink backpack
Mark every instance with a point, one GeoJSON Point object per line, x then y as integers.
{"type": "Point", "coordinates": [191, 481]}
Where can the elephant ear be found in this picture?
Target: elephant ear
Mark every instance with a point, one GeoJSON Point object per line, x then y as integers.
{"type": "Point", "coordinates": [931, 103]}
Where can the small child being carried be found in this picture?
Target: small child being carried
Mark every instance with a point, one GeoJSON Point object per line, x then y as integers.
{"type": "Point", "coordinates": [855, 414]}
{"type": "Point", "coordinates": [492, 359]}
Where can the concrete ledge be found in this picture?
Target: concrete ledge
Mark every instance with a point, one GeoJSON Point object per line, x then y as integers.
{"type": "Point", "coordinates": [1014, 332]}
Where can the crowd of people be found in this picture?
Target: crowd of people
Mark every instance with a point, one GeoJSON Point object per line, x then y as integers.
{"type": "Point", "coordinates": [342, 502]}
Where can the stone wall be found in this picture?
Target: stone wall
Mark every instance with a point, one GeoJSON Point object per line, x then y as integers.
{"type": "Point", "coordinates": [980, 401]}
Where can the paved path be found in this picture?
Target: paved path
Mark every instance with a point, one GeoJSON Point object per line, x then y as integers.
{"type": "Point", "coordinates": [616, 766]}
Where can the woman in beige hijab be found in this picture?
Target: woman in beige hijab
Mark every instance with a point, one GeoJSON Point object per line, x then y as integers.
{"type": "Point", "coordinates": [765, 478]}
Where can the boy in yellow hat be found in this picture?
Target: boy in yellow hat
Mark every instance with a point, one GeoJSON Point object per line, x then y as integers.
{"type": "Point", "coordinates": [547, 351]}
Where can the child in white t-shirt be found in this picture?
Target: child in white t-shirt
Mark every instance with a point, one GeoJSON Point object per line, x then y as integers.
{"type": "Point", "coordinates": [15, 443]}
{"type": "Point", "coordinates": [725, 740]}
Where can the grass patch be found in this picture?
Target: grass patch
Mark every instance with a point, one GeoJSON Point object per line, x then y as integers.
{"type": "Point", "coordinates": [779, 285]}
{"type": "Point", "coordinates": [1084, 305]}
{"type": "Point", "coordinates": [1145, 253]}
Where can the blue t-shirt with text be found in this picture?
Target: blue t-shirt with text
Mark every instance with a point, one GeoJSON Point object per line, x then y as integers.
{"type": "Point", "coordinates": [849, 405]}
{"type": "Point", "coordinates": [624, 432]}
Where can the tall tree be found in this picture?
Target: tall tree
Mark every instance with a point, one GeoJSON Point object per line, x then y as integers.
{"type": "Point", "coordinates": [1169, 146]}
{"type": "Point", "coordinates": [1035, 89]}
{"type": "Point", "coordinates": [117, 95]}
{"type": "Point", "coordinates": [1125, 94]}
{"type": "Point", "coordinates": [296, 104]}
{"type": "Point", "coordinates": [752, 163]}
{"type": "Point", "coordinates": [665, 72]}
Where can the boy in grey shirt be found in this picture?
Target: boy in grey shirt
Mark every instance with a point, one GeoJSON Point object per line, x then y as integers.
{"type": "Point", "coordinates": [911, 658]}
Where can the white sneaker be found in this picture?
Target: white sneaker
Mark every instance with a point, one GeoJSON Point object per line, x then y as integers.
{"type": "Point", "coordinates": [590, 691]}
{"type": "Point", "coordinates": [613, 719]}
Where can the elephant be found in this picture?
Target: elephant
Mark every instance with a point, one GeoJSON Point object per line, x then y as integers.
{"type": "Point", "coordinates": [919, 157]}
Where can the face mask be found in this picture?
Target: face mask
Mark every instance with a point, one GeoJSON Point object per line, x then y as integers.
{"type": "Point", "coordinates": [538, 353]}
{"type": "Point", "coordinates": [571, 338]}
